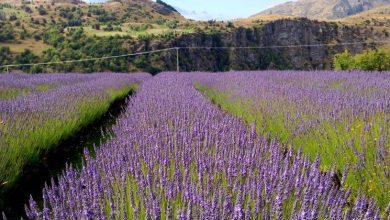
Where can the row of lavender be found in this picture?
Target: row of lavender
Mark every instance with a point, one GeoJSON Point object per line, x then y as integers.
{"type": "Point", "coordinates": [343, 116]}
{"type": "Point", "coordinates": [14, 85]}
{"type": "Point", "coordinates": [32, 122]}
{"type": "Point", "coordinates": [176, 155]}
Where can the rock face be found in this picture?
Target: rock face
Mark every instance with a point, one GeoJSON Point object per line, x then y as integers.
{"type": "Point", "coordinates": [324, 9]}
{"type": "Point", "coordinates": [277, 33]}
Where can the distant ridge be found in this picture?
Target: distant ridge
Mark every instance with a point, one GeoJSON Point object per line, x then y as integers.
{"type": "Point", "coordinates": [323, 9]}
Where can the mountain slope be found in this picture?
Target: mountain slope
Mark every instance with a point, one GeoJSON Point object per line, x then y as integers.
{"type": "Point", "coordinates": [27, 24]}
{"type": "Point", "coordinates": [379, 16]}
{"type": "Point", "coordinates": [121, 10]}
{"type": "Point", "coordinates": [324, 9]}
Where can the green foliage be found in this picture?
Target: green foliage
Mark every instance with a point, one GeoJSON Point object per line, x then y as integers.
{"type": "Point", "coordinates": [230, 25]}
{"type": "Point", "coordinates": [371, 60]}
{"type": "Point", "coordinates": [78, 46]}
{"type": "Point", "coordinates": [53, 36]}
{"type": "Point", "coordinates": [66, 13]}
{"type": "Point", "coordinates": [27, 9]}
{"type": "Point", "coordinates": [343, 61]}
{"type": "Point", "coordinates": [97, 11]}
{"type": "Point", "coordinates": [328, 139]}
{"type": "Point", "coordinates": [75, 22]}
{"type": "Point", "coordinates": [109, 27]}
{"type": "Point", "coordinates": [172, 24]}
{"type": "Point", "coordinates": [12, 17]}
{"type": "Point", "coordinates": [160, 21]}
{"type": "Point", "coordinates": [27, 57]}
{"type": "Point", "coordinates": [104, 16]}
{"type": "Point", "coordinates": [96, 26]}
{"type": "Point", "coordinates": [2, 15]}
{"type": "Point", "coordinates": [42, 11]}
{"type": "Point", "coordinates": [139, 27]}
{"type": "Point", "coordinates": [46, 134]}
{"type": "Point", "coordinates": [6, 33]}
{"type": "Point", "coordinates": [5, 56]}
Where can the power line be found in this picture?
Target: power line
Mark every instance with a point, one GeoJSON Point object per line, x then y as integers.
{"type": "Point", "coordinates": [289, 46]}
{"type": "Point", "coordinates": [194, 47]}
{"type": "Point", "coordinates": [88, 59]}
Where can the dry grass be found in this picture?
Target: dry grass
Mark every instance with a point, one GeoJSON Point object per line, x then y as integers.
{"type": "Point", "coordinates": [377, 17]}
{"type": "Point", "coordinates": [259, 19]}
{"type": "Point", "coordinates": [37, 47]}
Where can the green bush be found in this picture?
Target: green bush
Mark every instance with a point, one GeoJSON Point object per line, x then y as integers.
{"type": "Point", "coordinates": [6, 33]}
{"type": "Point", "coordinates": [139, 27]}
{"type": "Point", "coordinates": [371, 60]}
{"type": "Point", "coordinates": [42, 10]}
{"type": "Point", "coordinates": [172, 24]}
{"type": "Point", "coordinates": [343, 61]}
{"type": "Point", "coordinates": [2, 15]}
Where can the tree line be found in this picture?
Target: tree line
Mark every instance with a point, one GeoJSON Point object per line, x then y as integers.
{"type": "Point", "coordinates": [370, 60]}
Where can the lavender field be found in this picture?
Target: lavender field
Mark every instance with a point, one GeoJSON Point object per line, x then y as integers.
{"type": "Point", "coordinates": [237, 145]}
{"type": "Point", "coordinates": [344, 117]}
{"type": "Point", "coordinates": [38, 111]}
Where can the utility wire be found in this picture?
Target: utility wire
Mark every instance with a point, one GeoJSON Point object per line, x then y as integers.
{"type": "Point", "coordinates": [288, 46]}
{"type": "Point", "coordinates": [195, 47]}
{"type": "Point", "coordinates": [88, 59]}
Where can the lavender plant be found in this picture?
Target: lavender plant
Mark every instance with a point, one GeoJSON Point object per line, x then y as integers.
{"type": "Point", "coordinates": [177, 156]}
{"type": "Point", "coordinates": [343, 116]}
{"type": "Point", "coordinates": [14, 85]}
{"type": "Point", "coordinates": [37, 120]}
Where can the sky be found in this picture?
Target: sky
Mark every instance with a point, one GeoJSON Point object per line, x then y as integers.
{"type": "Point", "coordinates": [221, 9]}
{"type": "Point", "coordinates": [218, 9]}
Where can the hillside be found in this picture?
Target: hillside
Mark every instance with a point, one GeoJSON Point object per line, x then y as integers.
{"type": "Point", "coordinates": [24, 23]}
{"type": "Point", "coordinates": [78, 45]}
{"type": "Point", "coordinates": [324, 9]}
{"type": "Point", "coordinates": [378, 17]}
{"type": "Point", "coordinates": [50, 11]}
{"type": "Point", "coordinates": [45, 31]}
{"type": "Point", "coordinates": [260, 19]}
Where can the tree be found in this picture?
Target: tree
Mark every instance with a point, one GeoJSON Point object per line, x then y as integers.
{"type": "Point", "coordinates": [13, 17]}
{"type": "Point", "coordinates": [53, 36]}
{"type": "Point", "coordinates": [2, 15]}
{"type": "Point", "coordinates": [74, 22]}
{"type": "Point", "coordinates": [371, 60]}
{"type": "Point", "coordinates": [230, 25]}
{"type": "Point", "coordinates": [172, 24]}
{"type": "Point", "coordinates": [42, 10]}
{"type": "Point", "coordinates": [6, 33]}
{"type": "Point", "coordinates": [343, 61]}
{"type": "Point", "coordinates": [26, 57]}
{"type": "Point", "coordinates": [108, 28]}
{"type": "Point", "coordinates": [5, 56]}
{"type": "Point", "coordinates": [96, 26]}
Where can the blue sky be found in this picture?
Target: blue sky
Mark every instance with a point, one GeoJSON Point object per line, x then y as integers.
{"type": "Point", "coordinates": [219, 9]}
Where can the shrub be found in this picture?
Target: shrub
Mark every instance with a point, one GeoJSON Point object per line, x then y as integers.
{"type": "Point", "coordinates": [108, 28]}
{"type": "Point", "coordinates": [74, 22]}
{"type": "Point", "coordinates": [343, 61]}
{"type": "Point", "coordinates": [13, 17]}
{"type": "Point", "coordinates": [371, 60]}
{"type": "Point", "coordinates": [6, 33]}
{"type": "Point", "coordinates": [172, 24]}
{"type": "Point", "coordinates": [42, 11]}
{"type": "Point", "coordinates": [96, 26]}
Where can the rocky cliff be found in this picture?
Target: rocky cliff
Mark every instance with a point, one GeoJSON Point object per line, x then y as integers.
{"type": "Point", "coordinates": [278, 33]}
